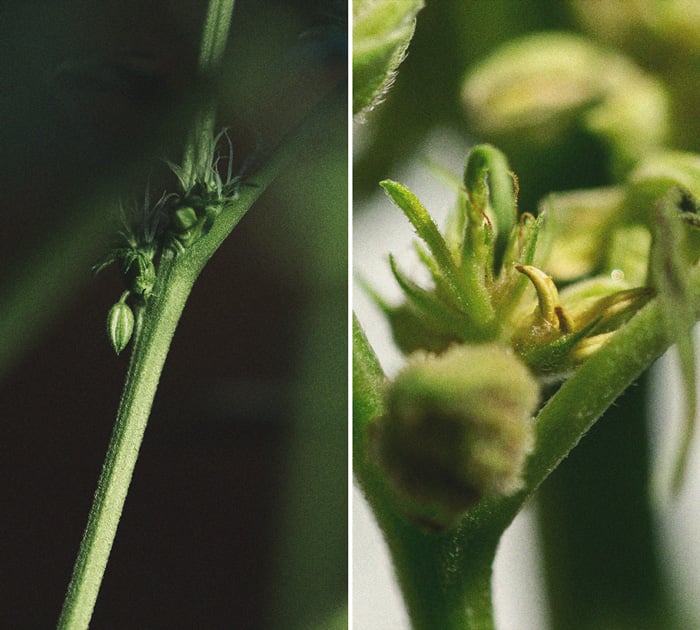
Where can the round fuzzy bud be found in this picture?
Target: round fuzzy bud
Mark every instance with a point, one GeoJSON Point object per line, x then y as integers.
{"type": "Point", "coordinates": [120, 325]}
{"type": "Point", "coordinates": [458, 427]}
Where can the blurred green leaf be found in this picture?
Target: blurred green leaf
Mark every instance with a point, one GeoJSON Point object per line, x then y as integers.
{"type": "Point", "coordinates": [382, 31]}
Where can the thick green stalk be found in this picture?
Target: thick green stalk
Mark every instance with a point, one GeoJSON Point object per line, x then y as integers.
{"type": "Point", "coordinates": [581, 534]}
{"type": "Point", "coordinates": [150, 349]}
{"type": "Point", "coordinates": [438, 594]}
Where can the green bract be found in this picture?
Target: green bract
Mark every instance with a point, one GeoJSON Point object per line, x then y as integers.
{"type": "Point", "coordinates": [184, 218]}
{"type": "Point", "coordinates": [578, 223]}
{"type": "Point", "coordinates": [141, 275]}
{"type": "Point", "coordinates": [655, 175]}
{"type": "Point", "coordinates": [198, 202]}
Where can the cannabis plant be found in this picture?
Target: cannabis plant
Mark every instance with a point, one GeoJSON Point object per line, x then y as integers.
{"type": "Point", "coordinates": [190, 97]}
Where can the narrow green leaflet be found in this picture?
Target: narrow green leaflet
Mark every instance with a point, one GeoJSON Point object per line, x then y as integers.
{"type": "Point", "coordinates": [436, 312]}
{"type": "Point", "coordinates": [368, 382]}
{"type": "Point", "coordinates": [490, 184]}
{"type": "Point", "coordinates": [467, 301]}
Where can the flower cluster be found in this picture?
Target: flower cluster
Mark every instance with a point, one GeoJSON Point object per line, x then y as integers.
{"type": "Point", "coordinates": [494, 326]}
{"type": "Point", "coordinates": [491, 280]}
{"type": "Point", "coordinates": [174, 223]}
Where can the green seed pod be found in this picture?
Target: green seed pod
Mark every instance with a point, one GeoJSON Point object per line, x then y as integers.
{"type": "Point", "coordinates": [120, 324]}
{"type": "Point", "coordinates": [458, 428]}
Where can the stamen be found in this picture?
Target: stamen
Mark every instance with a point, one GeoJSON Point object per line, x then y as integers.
{"type": "Point", "coordinates": [547, 294]}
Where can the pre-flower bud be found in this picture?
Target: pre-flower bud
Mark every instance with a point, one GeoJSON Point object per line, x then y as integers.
{"type": "Point", "coordinates": [458, 428]}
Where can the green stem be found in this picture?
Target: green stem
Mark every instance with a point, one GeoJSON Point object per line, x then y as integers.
{"type": "Point", "coordinates": [150, 349]}
{"type": "Point", "coordinates": [437, 595]}
{"type": "Point", "coordinates": [440, 591]}
{"type": "Point", "coordinates": [197, 155]}
{"type": "Point", "coordinates": [175, 277]}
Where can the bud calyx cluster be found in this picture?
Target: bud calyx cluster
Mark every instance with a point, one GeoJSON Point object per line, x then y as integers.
{"type": "Point", "coordinates": [173, 224]}
{"type": "Point", "coordinates": [494, 326]}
